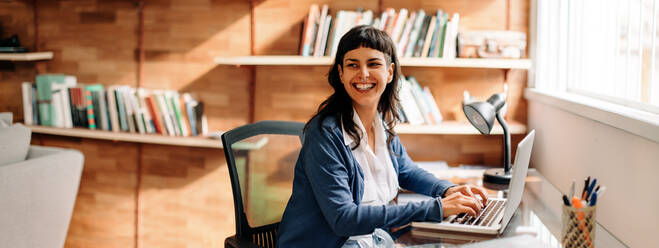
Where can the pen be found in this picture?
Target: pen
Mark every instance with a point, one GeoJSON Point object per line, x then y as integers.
{"type": "Point", "coordinates": [591, 187]}
{"type": "Point", "coordinates": [593, 199]}
{"type": "Point", "coordinates": [572, 190]}
{"type": "Point", "coordinates": [585, 188]}
{"type": "Point", "coordinates": [566, 201]}
{"type": "Point", "coordinates": [601, 191]}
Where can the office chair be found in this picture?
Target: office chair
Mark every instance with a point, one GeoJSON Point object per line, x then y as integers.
{"type": "Point", "coordinates": [261, 159]}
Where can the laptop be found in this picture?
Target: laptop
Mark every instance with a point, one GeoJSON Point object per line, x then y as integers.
{"type": "Point", "coordinates": [498, 211]}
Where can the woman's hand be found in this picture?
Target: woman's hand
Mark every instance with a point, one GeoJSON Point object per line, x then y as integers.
{"type": "Point", "coordinates": [458, 203]}
{"type": "Point", "coordinates": [468, 190]}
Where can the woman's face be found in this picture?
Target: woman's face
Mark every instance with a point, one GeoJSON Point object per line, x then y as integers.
{"type": "Point", "coordinates": [365, 75]}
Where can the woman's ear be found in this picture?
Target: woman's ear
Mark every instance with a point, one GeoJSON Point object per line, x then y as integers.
{"type": "Point", "coordinates": [340, 70]}
{"type": "Point", "coordinates": [391, 72]}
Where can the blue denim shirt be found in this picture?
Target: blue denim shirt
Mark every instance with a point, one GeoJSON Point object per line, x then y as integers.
{"type": "Point", "coordinates": [324, 208]}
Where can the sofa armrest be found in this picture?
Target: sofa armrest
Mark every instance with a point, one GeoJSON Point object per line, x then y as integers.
{"type": "Point", "coordinates": [38, 196]}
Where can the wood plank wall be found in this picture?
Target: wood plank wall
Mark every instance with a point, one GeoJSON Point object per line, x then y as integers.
{"type": "Point", "coordinates": [140, 195]}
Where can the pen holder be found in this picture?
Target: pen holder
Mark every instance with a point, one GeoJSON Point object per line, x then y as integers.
{"type": "Point", "coordinates": [578, 227]}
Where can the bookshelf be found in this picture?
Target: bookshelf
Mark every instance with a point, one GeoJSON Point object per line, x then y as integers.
{"type": "Point", "coordinates": [129, 137]}
{"type": "Point", "coordinates": [418, 62]}
{"type": "Point", "coordinates": [35, 56]}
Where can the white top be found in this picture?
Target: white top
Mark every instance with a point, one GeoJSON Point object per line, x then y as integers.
{"type": "Point", "coordinates": [380, 179]}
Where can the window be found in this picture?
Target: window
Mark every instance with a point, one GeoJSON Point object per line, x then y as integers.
{"type": "Point", "coordinates": [605, 49]}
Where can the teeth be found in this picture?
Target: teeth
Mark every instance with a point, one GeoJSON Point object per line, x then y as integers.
{"type": "Point", "coordinates": [364, 86]}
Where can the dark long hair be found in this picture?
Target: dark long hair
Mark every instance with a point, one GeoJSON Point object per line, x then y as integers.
{"type": "Point", "coordinates": [339, 104]}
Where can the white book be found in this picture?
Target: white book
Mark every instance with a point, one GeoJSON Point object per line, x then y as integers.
{"type": "Point", "coordinates": [165, 113]}
{"type": "Point", "coordinates": [332, 40]}
{"type": "Point", "coordinates": [376, 23]}
{"type": "Point", "coordinates": [130, 112]}
{"type": "Point", "coordinates": [367, 18]}
{"type": "Point", "coordinates": [420, 100]}
{"type": "Point", "coordinates": [451, 37]}
{"type": "Point", "coordinates": [399, 25]}
{"type": "Point", "coordinates": [137, 112]}
{"type": "Point", "coordinates": [428, 41]}
{"type": "Point", "coordinates": [112, 108]}
{"type": "Point", "coordinates": [408, 104]}
{"type": "Point", "coordinates": [28, 118]}
{"type": "Point", "coordinates": [434, 108]}
{"type": "Point", "coordinates": [172, 113]}
{"type": "Point", "coordinates": [323, 45]}
{"type": "Point", "coordinates": [382, 24]}
{"type": "Point", "coordinates": [58, 118]}
{"type": "Point", "coordinates": [321, 30]}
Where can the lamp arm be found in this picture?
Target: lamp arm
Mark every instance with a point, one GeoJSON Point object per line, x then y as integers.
{"type": "Point", "coordinates": [506, 144]}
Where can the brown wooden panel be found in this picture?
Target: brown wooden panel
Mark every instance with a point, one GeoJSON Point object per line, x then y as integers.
{"type": "Point", "coordinates": [16, 18]}
{"type": "Point", "coordinates": [104, 213]}
{"type": "Point", "coordinates": [282, 95]}
{"type": "Point", "coordinates": [185, 197]}
{"type": "Point", "coordinates": [459, 149]}
{"type": "Point", "coordinates": [94, 41]}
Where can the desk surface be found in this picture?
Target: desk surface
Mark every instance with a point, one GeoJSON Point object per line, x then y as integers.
{"type": "Point", "coordinates": [539, 214]}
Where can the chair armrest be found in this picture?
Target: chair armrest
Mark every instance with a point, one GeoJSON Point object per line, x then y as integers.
{"type": "Point", "coordinates": [38, 196]}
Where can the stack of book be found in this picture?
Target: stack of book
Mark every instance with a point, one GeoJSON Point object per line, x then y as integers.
{"type": "Point", "coordinates": [59, 101]}
{"type": "Point", "coordinates": [415, 34]}
{"type": "Point", "coordinates": [417, 104]}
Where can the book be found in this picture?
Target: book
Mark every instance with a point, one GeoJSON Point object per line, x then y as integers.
{"type": "Point", "coordinates": [26, 90]}
{"type": "Point", "coordinates": [310, 28]}
{"type": "Point", "coordinates": [112, 108]}
{"type": "Point", "coordinates": [321, 30]}
{"type": "Point", "coordinates": [451, 36]}
{"type": "Point", "coordinates": [414, 35]}
{"type": "Point", "coordinates": [401, 18]}
{"type": "Point", "coordinates": [423, 32]}
{"type": "Point", "coordinates": [190, 105]}
{"type": "Point", "coordinates": [155, 114]}
{"type": "Point", "coordinates": [121, 108]}
{"type": "Point", "coordinates": [169, 125]}
{"type": "Point", "coordinates": [149, 125]}
{"type": "Point", "coordinates": [408, 104]}
{"type": "Point", "coordinates": [405, 36]}
{"type": "Point", "coordinates": [47, 112]}
{"type": "Point", "coordinates": [91, 118]}
{"type": "Point", "coordinates": [327, 26]}
{"type": "Point", "coordinates": [434, 108]}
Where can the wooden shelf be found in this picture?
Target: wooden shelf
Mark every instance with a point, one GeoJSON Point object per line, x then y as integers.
{"type": "Point", "coordinates": [455, 127]}
{"type": "Point", "coordinates": [419, 62]}
{"type": "Point", "coordinates": [26, 56]}
{"type": "Point", "coordinates": [129, 137]}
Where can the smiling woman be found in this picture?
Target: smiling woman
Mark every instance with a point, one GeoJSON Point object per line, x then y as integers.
{"type": "Point", "coordinates": [352, 164]}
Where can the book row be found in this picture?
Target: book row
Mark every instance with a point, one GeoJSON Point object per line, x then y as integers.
{"type": "Point", "coordinates": [59, 101]}
{"type": "Point", "coordinates": [417, 104]}
{"type": "Point", "coordinates": [416, 34]}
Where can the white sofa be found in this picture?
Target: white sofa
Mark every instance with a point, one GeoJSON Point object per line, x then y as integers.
{"type": "Point", "coordinates": [38, 189]}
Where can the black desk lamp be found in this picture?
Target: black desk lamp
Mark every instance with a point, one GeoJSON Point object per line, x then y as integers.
{"type": "Point", "coordinates": [481, 115]}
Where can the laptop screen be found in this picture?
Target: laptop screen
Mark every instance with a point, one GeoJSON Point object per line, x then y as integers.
{"type": "Point", "coordinates": [516, 187]}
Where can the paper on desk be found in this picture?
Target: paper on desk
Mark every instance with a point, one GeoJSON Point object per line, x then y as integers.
{"type": "Point", "coordinates": [441, 170]}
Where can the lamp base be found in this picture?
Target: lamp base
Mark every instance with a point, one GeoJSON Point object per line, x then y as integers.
{"type": "Point", "coordinates": [496, 176]}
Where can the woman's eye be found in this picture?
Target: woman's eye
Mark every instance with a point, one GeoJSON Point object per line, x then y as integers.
{"type": "Point", "coordinates": [352, 65]}
{"type": "Point", "coordinates": [374, 64]}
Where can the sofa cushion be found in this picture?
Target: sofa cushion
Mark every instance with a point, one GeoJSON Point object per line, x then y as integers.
{"type": "Point", "coordinates": [14, 140]}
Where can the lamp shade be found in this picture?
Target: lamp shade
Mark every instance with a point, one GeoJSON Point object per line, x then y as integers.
{"type": "Point", "coordinates": [480, 114]}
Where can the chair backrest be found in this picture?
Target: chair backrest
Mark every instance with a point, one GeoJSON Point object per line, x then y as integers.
{"type": "Point", "coordinates": [261, 159]}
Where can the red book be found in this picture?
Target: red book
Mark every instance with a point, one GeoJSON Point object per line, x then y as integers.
{"type": "Point", "coordinates": [155, 113]}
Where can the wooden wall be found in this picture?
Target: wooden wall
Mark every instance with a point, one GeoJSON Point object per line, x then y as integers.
{"type": "Point", "coordinates": [166, 196]}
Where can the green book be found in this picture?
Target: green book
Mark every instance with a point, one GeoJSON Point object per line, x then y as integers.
{"type": "Point", "coordinates": [45, 97]}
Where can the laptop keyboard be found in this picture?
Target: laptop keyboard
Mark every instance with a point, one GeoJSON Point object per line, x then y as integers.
{"type": "Point", "coordinates": [485, 218]}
